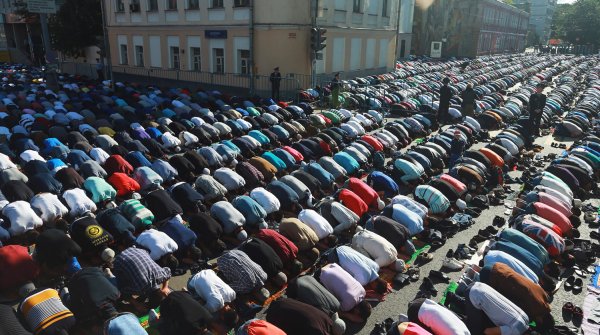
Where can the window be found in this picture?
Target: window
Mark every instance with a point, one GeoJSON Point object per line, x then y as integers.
{"type": "Point", "coordinates": [174, 52]}
{"type": "Point", "coordinates": [195, 58]}
{"type": "Point", "coordinates": [357, 6]}
{"type": "Point", "coordinates": [241, 3]}
{"type": "Point", "coordinates": [120, 6]}
{"type": "Point", "coordinates": [134, 6]}
{"type": "Point", "coordinates": [244, 56]}
{"type": "Point", "coordinates": [219, 60]}
{"type": "Point", "coordinates": [171, 4]}
{"type": "Point", "coordinates": [152, 5]}
{"type": "Point", "coordinates": [216, 4]}
{"type": "Point", "coordinates": [139, 55]}
{"type": "Point", "coordinates": [193, 4]}
{"type": "Point", "coordinates": [123, 54]}
{"type": "Point", "coordinates": [385, 12]}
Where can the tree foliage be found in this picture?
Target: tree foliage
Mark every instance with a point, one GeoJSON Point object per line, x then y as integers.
{"type": "Point", "coordinates": [76, 25]}
{"type": "Point", "coordinates": [578, 23]}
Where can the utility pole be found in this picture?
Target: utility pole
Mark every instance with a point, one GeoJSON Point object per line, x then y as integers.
{"type": "Point", "coordinates": [49, 55]}
{"type": "Point", "coordinates": [106, 42]}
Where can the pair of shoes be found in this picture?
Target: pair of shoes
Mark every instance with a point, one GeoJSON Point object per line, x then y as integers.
{"type": "Point", "coordinates": [428, 286]}
{"type": "Point", "coordinates": [499, 221]}
{"type": "Point", "coordinates": [452, 264]}
{"type": "Point", "coordinates": [575, 284]}
{"type": "Point", "coordinates": [438, 275]}
{"type": "Point", "coordinates": [575, 313]}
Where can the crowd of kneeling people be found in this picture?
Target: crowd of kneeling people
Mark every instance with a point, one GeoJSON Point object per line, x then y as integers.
{"type": "Point", "coordinates": [117, 189]}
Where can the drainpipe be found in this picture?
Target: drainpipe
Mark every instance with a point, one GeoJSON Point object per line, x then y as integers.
{"type": "Point", "coordinates": [313, 54]}
{"type": "Point", "coordinates": [251, 37]}
{"type": "Point", "coordinates": [397, 33]}
{"type": "Point", "coordinates": [107, 54]}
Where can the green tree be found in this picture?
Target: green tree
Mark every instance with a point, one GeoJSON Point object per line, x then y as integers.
{"type": "Point", "coordinates": [76, 25]}
{"type": "Point", "coordinates": [578, 23]}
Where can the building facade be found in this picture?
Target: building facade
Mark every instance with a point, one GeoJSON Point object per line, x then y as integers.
{"type": "Point", "coordinates": [405, 28]}
{"type": "Point", "coordinates": [468, 28]}
{"type": "Point", "coordinates": [224, 41]}
{"type": "Point", "coordinates": [541, 13]}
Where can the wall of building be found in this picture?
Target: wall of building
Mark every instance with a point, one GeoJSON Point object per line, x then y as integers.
{"type": "Point", "coordinates": [465, 25]}
{"type": "Point", "coordinates": [361, 36]}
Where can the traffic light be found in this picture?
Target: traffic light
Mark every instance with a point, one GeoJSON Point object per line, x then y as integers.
{"type": "Point", "coordinates": [317, 39]}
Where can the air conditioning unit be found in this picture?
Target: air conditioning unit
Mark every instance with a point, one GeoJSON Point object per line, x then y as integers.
{"type": "Point", "coordinates": [134, 7]}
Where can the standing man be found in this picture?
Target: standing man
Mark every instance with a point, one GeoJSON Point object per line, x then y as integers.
{"type": "Point", "coordinates": [537, 101]}
{"type": "Point", "coordinates": [335, 90]}
{"type": "Point", "coordinates": [445, 95]}
{"type": "Point", "coordinates": [100, 69]}
{"type": "Point", "coordinates": [468, 101]}
{"type": "Point", "coordinates": [275, 82]}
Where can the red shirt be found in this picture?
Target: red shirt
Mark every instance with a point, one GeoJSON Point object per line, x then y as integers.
{"type": "Point", "coordinates": [493, 157]}
{"type": "Point", "coordinates": [295, 153]}
{"type": "Point", "coordinates": [554, 216]}
{"type": "Point", "coordinates": [16, 266]}
{"type": "Point", "coordinates": [373, 142]}
{"type": "Point", "coordinates": [353, 202]}
{"type": "Point", "coordinates": [364, 191]}
{"type": "Point", "coordinates": [262, 327]}
{"type": "Point", "coordinates": [123, 184]}
{"type": "Point", "coordinates": [116, 163]}
{"type": "Point", "coordinates": [284, 248]}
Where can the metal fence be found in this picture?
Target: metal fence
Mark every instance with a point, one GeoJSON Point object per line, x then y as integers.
{"type": "Point", "coordinates": [233, 83]}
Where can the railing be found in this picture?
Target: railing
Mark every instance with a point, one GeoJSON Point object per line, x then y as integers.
{"type": "Point", "coordinates": [229, 82]}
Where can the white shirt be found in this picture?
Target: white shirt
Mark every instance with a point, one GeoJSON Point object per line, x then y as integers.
{"type": "Point", "coordinates": [222, 128]}
{"type": "Point", "coordinates": [252, 140]}
{"type": "Point", "coordinates": [508, 145]}
{"type": "Point", "coordinates": [345, 113]}
{"type": "Point", "coordinates": [265, 199]}
{"type": "Point", "coordinates": [169, 140]}
{"type": "Point", "coordinates": [363, 119]}
{"type": "Point", "coordinates": [392, 140]}
{"type": "Point", "coordinates": [212, 289]}
{"type": "Point", "coordinates": [411, 204]}
{"type": "Point", "coordinates": [270, 118]}
{"type": "Point", "coordinates": [374, 246]}
{"type": "Point", "coordinates": [3, 201]}
{"type": "Point", "coordinates": [48, 206]}
{"type": "Point", "coordinates": [473, 123]}
{"type": "Point", "coordinates": [361, 148]}
{"type": "Point", "coordinates": [349, 129]}
{"type": "Point", "coordinates": [189, 138]}
{"type": "Point", "coordinates": [229, 178]}
{"type": "Point", "coordinates": [5, 162]}
{"type": "Point", "coordinates": [244, 124]}
{"type": "Point", "coordinates": [78, 202]}
{"type": "Point", "coordinates": [344, 216]}
{"type": "Point", "coordinates": [29, 155]}
{"type": "Point", "coordinates": [557, 194]}
{"type": "Point", "coordinates": [316, 222]}
{"type": "Point", "coordinates": [356, 125]}
{"type": "Point", "coordinates": [197, 121]}
{"type": "Point", "coordinates": [99, 155]}
{"type": "Point", "coordinates": [21, 216]}
{"type": "Point", "coordinates": [157, 242]}
{"type": "Point", "coordinates": [441, 320]}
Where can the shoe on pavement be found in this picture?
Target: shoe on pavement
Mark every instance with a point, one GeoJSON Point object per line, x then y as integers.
{"type": "Point", "coordinates": [452, 264]}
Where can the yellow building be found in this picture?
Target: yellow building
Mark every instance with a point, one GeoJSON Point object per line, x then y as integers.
{"type": "Point", "coordinates": [216, 41]}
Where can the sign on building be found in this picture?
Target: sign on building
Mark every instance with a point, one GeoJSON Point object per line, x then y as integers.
{"type": "Point", "coordinates": [436, 49]}
{"type": "Point", "coordinates": [42, 6]}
